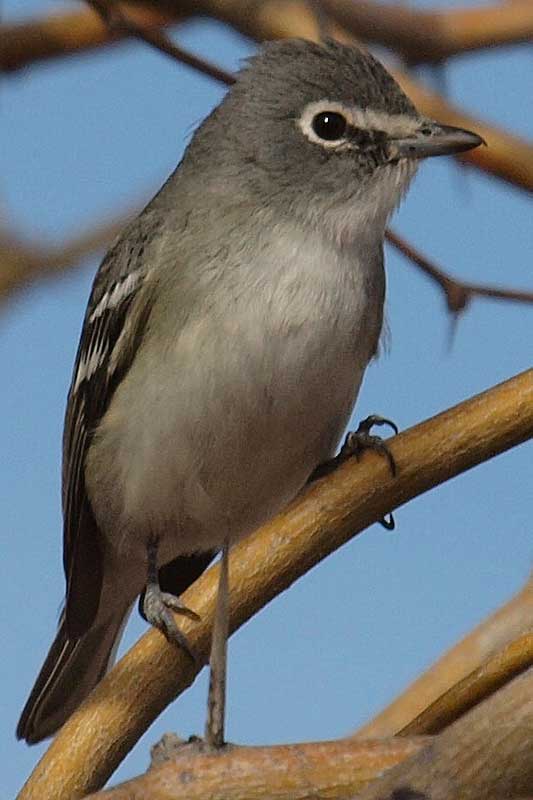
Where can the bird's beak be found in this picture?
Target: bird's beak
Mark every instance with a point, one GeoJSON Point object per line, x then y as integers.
{"type": "Point", "coordinates": [433, 140]}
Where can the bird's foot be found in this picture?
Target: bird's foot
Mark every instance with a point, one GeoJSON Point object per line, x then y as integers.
{"type": "Point", "coordinates": [157, 607]}
{"type": "Point", "coordinates": [362, 439]}
{"type": "Point", "coordinates": [354, 444]}
{"type": "Point", "coordinates": [173, 748]}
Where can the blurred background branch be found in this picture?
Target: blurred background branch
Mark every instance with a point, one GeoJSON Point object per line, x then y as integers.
{"type": "Point", "coordinates": [507, 157]}
{"type": "Point", "coordinates": [68, 33]}
{"type": "Point", "coordinates": [417, 35]}
{"type": "Point", "coordinates": [421, 36]}
{"type": "Point", "coordinates": [22, 262]}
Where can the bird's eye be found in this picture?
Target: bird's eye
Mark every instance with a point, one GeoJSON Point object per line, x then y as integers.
{"type": "Point", "coordinates": [329, 125]}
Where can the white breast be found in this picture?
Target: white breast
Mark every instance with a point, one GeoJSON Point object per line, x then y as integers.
{"type": "Point", "coordinates": [219, 427]}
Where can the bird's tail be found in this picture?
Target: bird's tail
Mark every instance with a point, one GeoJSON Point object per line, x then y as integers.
{"type": "Point", "coordinates": [71, 670]}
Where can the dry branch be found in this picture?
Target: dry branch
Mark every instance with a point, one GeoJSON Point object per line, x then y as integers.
{"type": "Point", "coordinates": [458, 293]}
{"type": "Point", "coordinates": [487, 753]}
{"type": "Point", "coordinates": [67, 34]}
{"type": "Point", "coordinates": [334, 770]}
{"type": "Point", "coordinates": [507, 624]}
{"type": "Point", "coordinates": [497, 671]}
{"type": "Point", "coordinates": [314, 771]}
{"type": "Point", "coordinates": [433, 36]}
{"type": "Point", "coordinates": [507, 157]}
{"type": "Point", "coordinates": [324, 517]}
{"type": "Point", "coordinates": [22, 263]}
{"type": "Point", "coordinates": [119, 22]}
{"type": "Point", "coordinates": [320, 770]}
{"type": "Point", "coordinates": [417, 35]}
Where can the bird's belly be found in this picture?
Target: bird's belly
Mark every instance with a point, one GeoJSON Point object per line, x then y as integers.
{"type": "Point", "coordinates": [237, 407]}
{"type": "Point", "coordinates": [221, 451]}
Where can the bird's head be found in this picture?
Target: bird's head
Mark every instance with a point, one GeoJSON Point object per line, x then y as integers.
{"type": "Point", "coordinates": [322, 132]}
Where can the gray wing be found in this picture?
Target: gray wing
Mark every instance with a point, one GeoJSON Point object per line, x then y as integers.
{"type": "Point", "coordinates": [114, 323]}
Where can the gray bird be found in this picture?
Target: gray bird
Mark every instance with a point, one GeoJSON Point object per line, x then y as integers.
{"type": "Point", "coordinates": [225, 340]}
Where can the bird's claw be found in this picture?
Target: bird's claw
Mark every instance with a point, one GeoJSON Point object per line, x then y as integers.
{"type": "Point", "coordinates": [157, 607]}
{"type": "Point", "coordinates": [361, 439]}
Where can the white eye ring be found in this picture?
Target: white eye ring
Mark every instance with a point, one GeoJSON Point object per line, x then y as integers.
{"type": "Point", "coordinates": [308, 122]}
{"type": "Point", "coordinates": [394, 125]}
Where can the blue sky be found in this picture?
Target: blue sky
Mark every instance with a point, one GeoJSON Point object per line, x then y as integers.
{"type": "Point", "coordinates": [84, 138]}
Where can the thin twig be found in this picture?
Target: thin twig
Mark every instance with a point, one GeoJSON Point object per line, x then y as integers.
{"type": "Point", "coordinates": [458, 293]}
{"type": "Point", "coordinates": [59, 35]}
{"type": "Point", "coordinates": [119, 23]}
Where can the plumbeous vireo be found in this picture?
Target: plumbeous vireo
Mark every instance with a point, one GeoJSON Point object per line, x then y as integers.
{"type": "Point", "coordinates": [225, 341]}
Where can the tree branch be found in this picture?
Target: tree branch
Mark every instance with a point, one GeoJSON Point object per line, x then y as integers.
{"type": "Point", "coordinates": [334, 770]}
{"type": "Point", "coordinates": [507, 157]}
{"type": "Point", "coordinates": [433, 36]}
{"type": "Point", "coordinates": [70, 33]}
{"type": "Point", "coordinates": [326, 515]}
{"type": "Point", "coordinates": [320, 770]}
{"type": "Point", "coordinates": [487, 753]}
{"type": "Point", "coordinates": [416, 34]}
{"type": "Point", "coordinates": [308, 771]}
{"type": "Point", "coordinates": [508, 623]}
{"type": "Point", "coordinates": [499, 669]}
{"type": "Point", "coordinates": [458, 294]}
{"type": "Point", "coordinates": [22, 263]}
{"type": "Point", "coordinates": [121, 24]}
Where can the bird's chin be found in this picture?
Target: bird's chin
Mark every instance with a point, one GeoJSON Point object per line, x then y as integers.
{"type": "Point", "coordinates": [363, 213]}
{"type": "Point", "coordinates": [398, 174]}
{"type": "Point", "coordinates": [389, 186]}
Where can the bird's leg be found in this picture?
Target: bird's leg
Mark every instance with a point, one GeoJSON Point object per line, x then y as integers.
{"type": "Point", "coordinates": [216, 702]}
{"type": "Point", "coordinates": [156, 606]}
